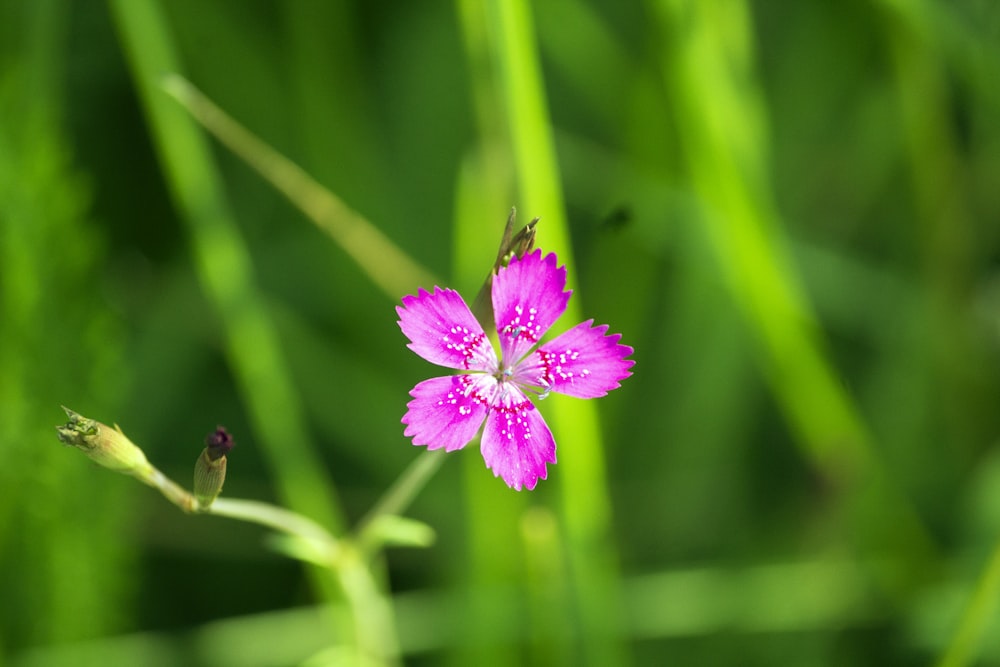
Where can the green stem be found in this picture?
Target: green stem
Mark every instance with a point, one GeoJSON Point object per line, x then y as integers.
{"type": "Point", "coordinates": [252, 511]}
{"type": "Point", "coordinates": [385, 263]}
{"type": "Point", "coordinates": [399, 496]}
{"type": "Point", "coordinates": [279, 519]}
{"type": "Point", "coordinates": [173, 491]}
{"type": "Point", "coordinates": [375, 624]}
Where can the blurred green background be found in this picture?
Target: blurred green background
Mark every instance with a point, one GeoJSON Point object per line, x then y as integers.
{"type": "Point", "coordinates": [789, 210]}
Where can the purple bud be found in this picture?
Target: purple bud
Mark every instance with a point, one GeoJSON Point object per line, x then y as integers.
{"type": "Point", "coordinates": [219, 442]}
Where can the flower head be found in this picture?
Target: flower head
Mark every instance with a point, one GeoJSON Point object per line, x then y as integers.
{"type": "Point", "coordinates": [446, 412]}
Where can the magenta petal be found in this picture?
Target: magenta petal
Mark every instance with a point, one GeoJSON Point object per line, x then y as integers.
{"type": "Point", "coordinates": [528, 298]}
{"type": "Point", "coordinates": [448, 411]}
{"type": "Point", "coordinates": [443, 330]}
{"type": "Point", "coordinates": [583, 362]}
{"type": "Point", "coordinates": [516, 441]}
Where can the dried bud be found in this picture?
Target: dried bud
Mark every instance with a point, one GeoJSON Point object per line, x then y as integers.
{"type": "Point", "coordinates": [106, 445]}
{"type": "Point", "coordinates": [219, 442]}
{"type": "Point", "coordinates": [210, 470]}
{"type": "Point", "coordinates": [510, 245]}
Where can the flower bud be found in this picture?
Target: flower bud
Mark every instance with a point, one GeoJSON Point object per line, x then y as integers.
{"type": "Point", "coordinates": [106, 445]}
{"type": "Point", "coordinates": [210, 470]}
{"type": "Point", "coordinates": [511, 244]}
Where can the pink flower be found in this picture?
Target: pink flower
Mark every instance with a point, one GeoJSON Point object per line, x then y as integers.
{"type": "Point", "coordinates": [528, 297]}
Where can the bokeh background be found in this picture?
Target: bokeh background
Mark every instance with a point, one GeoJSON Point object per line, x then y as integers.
{"type": "Point", "coordinates": [789, 210]}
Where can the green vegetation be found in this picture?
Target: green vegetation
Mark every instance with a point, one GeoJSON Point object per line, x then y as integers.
{"type": "Point", "coordinates": [209, 210]}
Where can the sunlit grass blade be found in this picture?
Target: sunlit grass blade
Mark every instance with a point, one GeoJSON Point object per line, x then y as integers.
{"type": "Point", "coordinates": [483, 197]}
{"type": "Point", "coordinates": [502, 34]}
{"type": "Point", "coordinates": [708, 66]}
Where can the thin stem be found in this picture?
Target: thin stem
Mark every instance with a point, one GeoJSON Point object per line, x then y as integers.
{"type": "Point", "coordinates": [252, 511]}
{"type": "Point", "coordinates": [277, 518]}
{"type": "Point", "coordinates": [385, 263]}
{"type": "Point", "coordinates": [399, 496]}
{"type": "Point", "coordinates": [173, 491]}
{"type": "Point", "coordinates": [375, 625]}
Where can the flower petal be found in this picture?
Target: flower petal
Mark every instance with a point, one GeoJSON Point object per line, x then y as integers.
{"type": "Point", "coordinates": [516, 441]}
{"type": "Point", "coordinates": [448, 411]}
{"type": "Point", "coordinates": [583, 362]}
{"type": "Point", "coordinates": [443, 330]}
{"type": "Point", "coordinates": [528, 298]}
